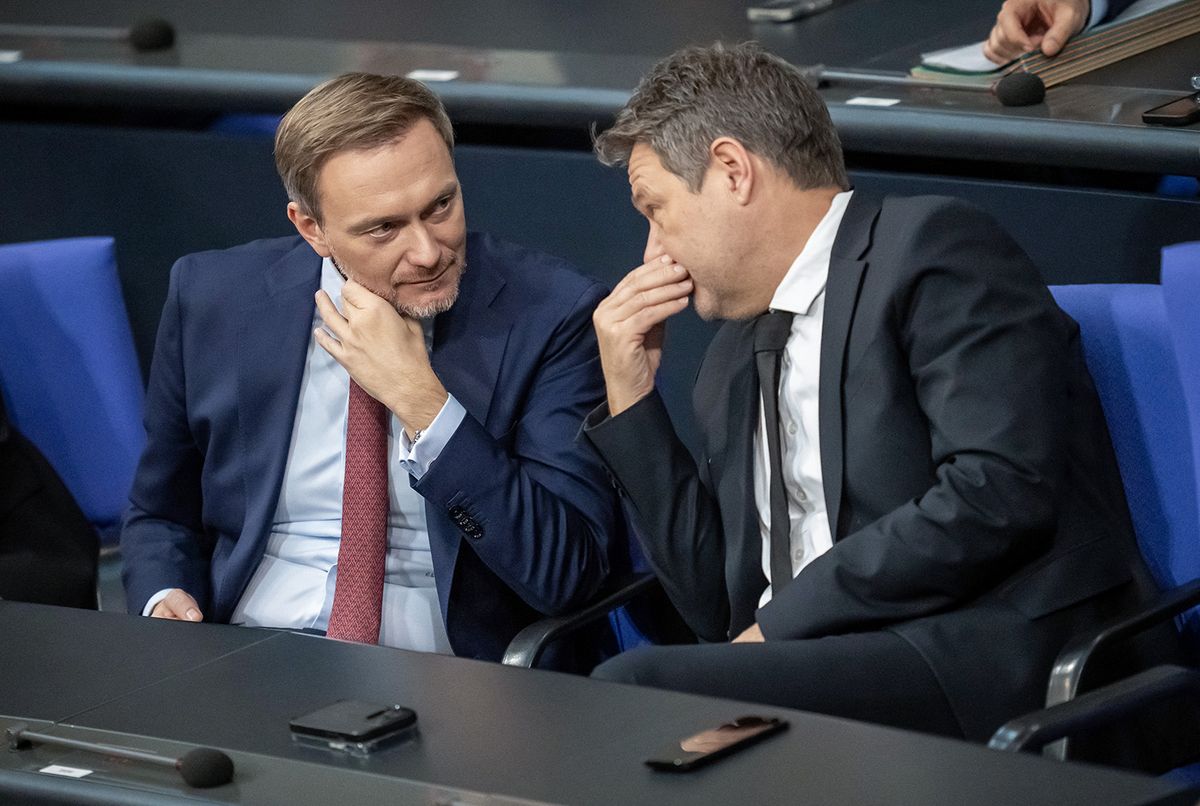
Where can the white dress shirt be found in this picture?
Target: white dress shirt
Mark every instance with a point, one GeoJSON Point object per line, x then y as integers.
{"type": "Point", "coordinates": [802, 291]}
{"type": "Point", "coordinates": [294, 583]}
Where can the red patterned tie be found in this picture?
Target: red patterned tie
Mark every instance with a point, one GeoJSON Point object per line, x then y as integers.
{"type": "Point", "coordinates": [358, 596]}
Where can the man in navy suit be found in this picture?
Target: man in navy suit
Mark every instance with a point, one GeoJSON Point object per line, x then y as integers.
{"type": "Point", "coordinates": [1025, 25]}
{"type": "Point", "coordinates": [496, 514]}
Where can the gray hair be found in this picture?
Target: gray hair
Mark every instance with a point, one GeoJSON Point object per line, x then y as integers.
{"type": "Point", "coordinates": [698, 94]}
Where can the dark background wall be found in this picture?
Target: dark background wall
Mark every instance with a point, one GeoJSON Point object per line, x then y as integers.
{"type": "Point", "coordinates": [164, 193]}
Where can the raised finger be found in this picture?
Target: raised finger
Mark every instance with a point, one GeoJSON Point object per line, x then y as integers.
{"type": "Point", "coordinates": [649, 275]}
{"type": "Point", "coordinates": [328, 343]}
{"type": "Point", "coordinates": [620, 306]}
{"type": "Point", "coordinates": [331, 316]}
{"type": "Point", "coordinates": [1067, 21]}
{"type": "Point", "coordinates": [646, 318]}
{"type": "Point", "coordinates": [357, 295]}
{"type": "Point", "coordinates": [1012, 39]}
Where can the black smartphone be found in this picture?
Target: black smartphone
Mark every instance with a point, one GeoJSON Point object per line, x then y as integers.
{"type": "Point", "coordinates": [785, 10]}
{"type": "Point", "coordinates": [1179, 112]}
{"type": "Point", "coordinates": [354, 725]}
{"type": "Point", "coordinates": [709, 745]}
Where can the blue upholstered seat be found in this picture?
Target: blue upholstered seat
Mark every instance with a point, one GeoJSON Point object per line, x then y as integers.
{"type": "Point", "coordinates": [68, 369]}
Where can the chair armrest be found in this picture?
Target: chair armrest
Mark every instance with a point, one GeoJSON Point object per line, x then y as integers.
{"type": "Point", "coordinates": [1093, 709]}
{"type": "Point", "coordinates": [527, 646]}
{"type": "Point", "coordinates": [1071, 662]}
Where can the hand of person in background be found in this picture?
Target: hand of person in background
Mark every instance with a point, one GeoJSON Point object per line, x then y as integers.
{"type": "Point", "coordinates": [178, 606]}
{"type": "Point", "coordinates": [1024, 25]}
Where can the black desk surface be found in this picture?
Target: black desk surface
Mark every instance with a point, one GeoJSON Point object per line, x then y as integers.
{"type": "Point", "coordinates": [520, 735]}
{"type": "Point", "coordinates": [555, 64]}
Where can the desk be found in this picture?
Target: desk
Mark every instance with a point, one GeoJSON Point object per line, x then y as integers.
{"type": "Point", "coordinates": [532, 63]}
{"type": "Point", "coordinates": [520, 735]}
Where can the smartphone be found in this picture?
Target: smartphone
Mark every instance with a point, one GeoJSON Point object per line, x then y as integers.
{"type": "Point", "coordinates": [354, 726]}
{"type": "Point", "coordinates": [785, 10]}
{"type": "Point", "coordinates": [709, 745]}
{"type": "Point", "coordinates": [1179, 112]}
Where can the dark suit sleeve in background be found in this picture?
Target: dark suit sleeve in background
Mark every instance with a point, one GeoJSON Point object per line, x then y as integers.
{"type": "Point", "coordinates": [48, 550]}
{"type": "Point", "coordinates": [672, 501]}
{"type": "Point", "coordinates": [1115, 7]}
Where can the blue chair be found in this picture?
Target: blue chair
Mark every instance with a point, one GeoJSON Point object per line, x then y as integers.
{"type": "Point", "coordinates": [1181, 291]}
{"type": "Point", "coordinates": [68, 369]}
{"type": "Point", "coordinates": [1129, 347]}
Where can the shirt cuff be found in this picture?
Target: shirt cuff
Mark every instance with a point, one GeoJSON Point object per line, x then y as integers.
{"type": "Point", "coordinates": [155, 599]}
{"type": "Point", "coordinates": [416, 458]}
{"type": "Point", "coordinates": [1099, 9]}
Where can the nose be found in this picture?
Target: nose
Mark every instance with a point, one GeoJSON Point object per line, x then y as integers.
{"type": "Point", "coordinates": [424, 250]}
{"type": "Point", "coordinates": [654, 247]}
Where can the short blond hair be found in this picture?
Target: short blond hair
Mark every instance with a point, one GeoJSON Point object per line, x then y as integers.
{"type": "Point", "coordinates": [352, 111]}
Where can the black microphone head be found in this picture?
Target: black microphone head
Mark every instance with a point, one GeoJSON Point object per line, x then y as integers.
{"type": "Point", "coordinates": [151, 33]}
{"type": "Point", "coordinates": [1020, 89]}
{"type": "Point", "coordinates": [205, 767]}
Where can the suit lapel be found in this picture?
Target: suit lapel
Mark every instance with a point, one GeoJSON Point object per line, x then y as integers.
{"type": "Point", "coordinates": [274, 334]}
{"type": "Point", "coordinates": [745, 575]}
{"type": "Point", "coordinates": [846, 267]}
{"type": "Point", "coordinates": [728, 384]}
{"type": "Point", "coordinates": [469, 340]}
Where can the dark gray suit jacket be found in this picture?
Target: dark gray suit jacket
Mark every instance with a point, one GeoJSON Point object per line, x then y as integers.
{"type": "Point", "coordinates": [974, 499]}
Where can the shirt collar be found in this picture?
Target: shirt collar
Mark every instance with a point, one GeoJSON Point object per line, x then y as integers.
{"type": "Point", "coordinates": [806, 278]}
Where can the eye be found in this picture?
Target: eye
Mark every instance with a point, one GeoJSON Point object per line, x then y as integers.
{"type": "Point", "coordinates": [381, 231]}
{"type": "Point", "coordinates": [443, 204]}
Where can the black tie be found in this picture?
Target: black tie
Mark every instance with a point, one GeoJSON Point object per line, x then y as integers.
{"type": "Point", "coordinates": [771, 332]}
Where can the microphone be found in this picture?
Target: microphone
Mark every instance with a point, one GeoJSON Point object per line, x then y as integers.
{"type": "Point", "coordinates": [1014, 89]}
{"type": "Point", "coordinates": [201, 767]}
{"type": "Point", "coordinates": [149, 33]}
{"type": "Point", "coordinates": [1021, 89]}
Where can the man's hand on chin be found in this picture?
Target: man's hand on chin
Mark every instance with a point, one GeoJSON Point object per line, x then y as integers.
{"type": "Point", "coordinates": [384, 352]}
{"type": "Point", "coordinates": [629, 328]}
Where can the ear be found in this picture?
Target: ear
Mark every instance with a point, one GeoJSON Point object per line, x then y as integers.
{"type": "Point", "coordinates": [732, 165]}
{"type": "Point", "coordinates": [309, 229]}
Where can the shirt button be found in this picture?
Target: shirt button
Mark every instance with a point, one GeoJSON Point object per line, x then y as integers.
{"type": "Point", "coordinates": [800, 496]}
{"type": "Point", "coordinates": [791, 429]}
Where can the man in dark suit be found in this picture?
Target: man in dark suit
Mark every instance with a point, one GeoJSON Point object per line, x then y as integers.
{"type": "Point", "coordinates": [1025, 25]}
{"type": "Point", "coordinates": [494, 515]}
{"type": "Point", "coordinates": [48, 550]}
{"type": "Point", "coordinates": [909, 529]}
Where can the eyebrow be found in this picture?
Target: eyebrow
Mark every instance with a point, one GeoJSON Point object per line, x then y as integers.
{"type": "Point", "coordinates": [450, 189]}
{"type": "Point", "coordinates": [639, 196]}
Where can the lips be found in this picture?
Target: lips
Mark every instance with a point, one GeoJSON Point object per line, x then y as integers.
{"type": "Point", "coordinates": [433, 279]}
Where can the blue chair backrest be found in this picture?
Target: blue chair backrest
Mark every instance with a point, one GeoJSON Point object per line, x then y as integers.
{"type": "Point", "coordinates": [68, 369]}
{"type": "Point", "coordinates": [1129, 351]}
{"type": "Point", "coordinates": [1181, 290]}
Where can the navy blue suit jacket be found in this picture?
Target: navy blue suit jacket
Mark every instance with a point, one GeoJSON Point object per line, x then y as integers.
{"type": "Point", "coordinates": [517, 350]}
